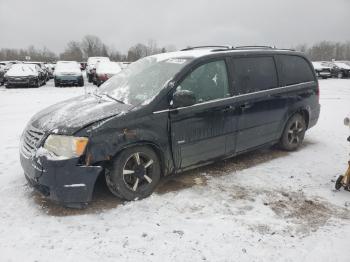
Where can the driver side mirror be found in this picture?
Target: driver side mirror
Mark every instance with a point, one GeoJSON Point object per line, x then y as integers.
{"type": "Point", "coordinates": [182, 98]}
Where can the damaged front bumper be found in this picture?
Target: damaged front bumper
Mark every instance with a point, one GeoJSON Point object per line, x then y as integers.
{"type": "Point", "coordinates": [63, 181]}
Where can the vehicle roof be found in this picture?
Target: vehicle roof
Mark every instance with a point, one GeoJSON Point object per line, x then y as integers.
{"type": "Point", "coordinates": [203, 52]}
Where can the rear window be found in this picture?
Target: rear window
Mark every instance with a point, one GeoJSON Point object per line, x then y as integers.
{"type": "Point", "coordinates": [294, 70]}
{"type": "Point", "coordinates": [253, 74]}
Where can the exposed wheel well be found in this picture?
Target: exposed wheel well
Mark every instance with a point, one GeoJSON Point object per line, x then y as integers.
{"type": "Point", "coordinates": [306, 116]}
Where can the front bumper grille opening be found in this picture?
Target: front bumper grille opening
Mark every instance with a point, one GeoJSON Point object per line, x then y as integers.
{"type": "Point", "coordinates": [31, 140]}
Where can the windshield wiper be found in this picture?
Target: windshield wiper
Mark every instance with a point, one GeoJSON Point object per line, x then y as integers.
{"type": "Point", "coordinates": [111, 97]}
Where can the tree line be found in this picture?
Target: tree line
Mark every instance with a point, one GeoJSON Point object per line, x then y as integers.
{"type": "Point", "coordinates": [92, 45]}
{"type": "Point", "coordinates": [326, 51]}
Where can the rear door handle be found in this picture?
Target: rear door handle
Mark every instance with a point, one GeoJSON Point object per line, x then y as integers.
{"type": "Point", "coordinates": [228, 109]}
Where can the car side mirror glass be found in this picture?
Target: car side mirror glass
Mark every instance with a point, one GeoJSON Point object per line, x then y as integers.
{"type": "Point", "coordinates": [182, 98]}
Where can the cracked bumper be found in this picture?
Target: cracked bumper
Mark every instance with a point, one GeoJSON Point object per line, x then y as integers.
{"type": "Point", "coordinates": [62, 181]}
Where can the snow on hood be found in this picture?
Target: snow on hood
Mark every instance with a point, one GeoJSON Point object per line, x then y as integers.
{"type": "Point", "coordinates": [69, 116]}
{"type": "Point", "coordinates": [342, 65]}
{"type": "Point", "coordinates": [319, 65]}
{"type": "Point", "coordinates": [108, 68]}
{"type": "Point", "coordinates": [22, 70]}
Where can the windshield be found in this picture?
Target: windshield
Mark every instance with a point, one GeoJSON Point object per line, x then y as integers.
{"type": "Point", "coordinates": [22, 69]}
{"type": "Point", "coordinates": [143, 80]}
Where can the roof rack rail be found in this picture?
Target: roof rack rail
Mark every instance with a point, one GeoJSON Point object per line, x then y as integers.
{"type": "Point", "coordinates": [254, 46]}
{"type": "Point", "coordinates": [226, 47]}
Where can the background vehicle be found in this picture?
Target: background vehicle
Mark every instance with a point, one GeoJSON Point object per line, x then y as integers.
{"type": "Point", "coordinates": [104, 71]}
{"type": "Point", "coordinates": [322, 70]}
{"type": "Point", "coordinates": [68, 73]}
{"type": "Point", "coordinates": [50, 69]}
{"type": "Point", "coordinates": [44, 70]}
{"type": "Point", "coordinates": [344, 69]}
{"type": "Point", "coordinates": [24, 75]}
{"type": "Point", "coordinates": [83, 65]}
{"type": "Point", "coordinates": [2, 73]}
{"type": "Point", "coordinates": [91, 62]}
{"type": "Point", "coordinates": [169, 113]}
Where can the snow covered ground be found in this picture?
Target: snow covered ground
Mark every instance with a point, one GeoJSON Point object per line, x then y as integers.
{"type": "Point", "coordinates": [267, 205]}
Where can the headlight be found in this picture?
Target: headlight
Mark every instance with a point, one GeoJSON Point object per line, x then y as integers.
{"type": "Point", "coordinates": [66, 146]}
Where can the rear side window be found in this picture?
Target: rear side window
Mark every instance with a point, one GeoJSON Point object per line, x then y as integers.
{"type": "Point", "coordinates": [294, 70]}
{"type": "Point", "coordinates": [253, 74]}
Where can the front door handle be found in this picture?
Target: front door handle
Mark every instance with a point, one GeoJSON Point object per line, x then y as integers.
{"type": "Point", "coordinates": [246, 106]}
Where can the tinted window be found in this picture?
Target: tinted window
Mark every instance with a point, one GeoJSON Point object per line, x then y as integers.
{"type": "Point", "coordinates": [253, 74]}
{"type": "Point", "coordinates": [208, 82]}
{"type": "Point", "coordinates": [294, 70]}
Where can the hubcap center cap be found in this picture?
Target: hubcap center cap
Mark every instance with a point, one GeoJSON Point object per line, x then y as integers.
{"type": "Point", "coordinates": [140, 171]}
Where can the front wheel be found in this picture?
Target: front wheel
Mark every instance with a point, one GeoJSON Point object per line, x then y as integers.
{"type": "Point", "coordinates": [293, 134]}
{"type": "Point", "coordinates": [340, 75]}
{"type": "Point", "coordinates": [81, 82]}
{"type": "Point", "coordinates": [89, 77]}
{"type": "Point", "coordinates": [135, 173]}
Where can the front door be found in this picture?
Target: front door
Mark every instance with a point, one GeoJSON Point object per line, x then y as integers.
{"type": "Point", "coordinates": [199, 132]}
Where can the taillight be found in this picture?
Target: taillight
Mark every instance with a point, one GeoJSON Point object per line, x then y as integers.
{"type": "Point", "coordinates": [318, 92]}
{"type": "Point", "coordinates": [103, 77]}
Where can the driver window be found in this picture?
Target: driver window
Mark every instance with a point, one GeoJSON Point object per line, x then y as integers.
{"type": "Point", "coordinates": [207, 82]}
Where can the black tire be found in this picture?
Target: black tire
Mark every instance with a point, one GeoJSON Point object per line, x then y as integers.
{"type": "Point", "coordinates": [338, 182]}
{"type": "Point", "coordinates": [293, 134]}
{"type": "Point", "coordinates": [129, 178]}
{"type": "Point", "coordinates": [89, 78]}
{"type": "Point", "coordinates": [81, 82]}
{"type": "Point", "coordinates": [56, 83]}
{"type": "Point", "coordinates": [340, 75]}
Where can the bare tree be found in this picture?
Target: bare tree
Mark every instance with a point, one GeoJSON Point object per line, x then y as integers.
{"type": "Point", "coordinates": [92, 46]}
{"type": "Point", "coordinates": [72, 52]}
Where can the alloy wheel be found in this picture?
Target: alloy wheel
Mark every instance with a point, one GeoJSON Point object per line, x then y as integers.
{"type": "Point", "coordinates": [138, 171]}
{"type": "Point", "coordinates": [295, 133]}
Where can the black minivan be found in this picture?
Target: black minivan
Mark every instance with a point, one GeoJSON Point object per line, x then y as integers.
{"type": "Point", "coordinates": [168, 113]}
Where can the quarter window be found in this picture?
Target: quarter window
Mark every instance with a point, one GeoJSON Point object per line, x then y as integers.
{"type": "Point", "coordinates": [294, 70]}
{"type": "Point", "coordinates": [253, 74]}
{"type": "Point", "coordinates": [207, 82]}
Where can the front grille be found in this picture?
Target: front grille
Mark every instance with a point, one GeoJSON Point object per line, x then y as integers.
{"type": "Point", "coordinates": [31, 140]}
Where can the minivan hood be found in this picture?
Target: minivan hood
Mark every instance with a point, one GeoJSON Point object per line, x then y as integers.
{"type": "Point", "coordinates": [71, 115]}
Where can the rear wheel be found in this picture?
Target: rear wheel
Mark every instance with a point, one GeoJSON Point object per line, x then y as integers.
{"type": "Point", "coordinates": [135, 173]}
{"type": "Point", "coordinates": [293, 134]}
{"type": "Point", "coordinates": [340, 75]}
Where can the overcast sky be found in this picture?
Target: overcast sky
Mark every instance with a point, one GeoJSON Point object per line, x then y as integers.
{"type": "Point", "coordinates": [122, 23]}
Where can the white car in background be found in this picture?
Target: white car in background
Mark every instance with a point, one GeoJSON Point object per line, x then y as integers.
{"type": "Point", "coordinates": [91, 63]}
{"type": "Point", "coordinates": [68, 73]}
{"type": "Point", "coordinates": [104, 71]}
